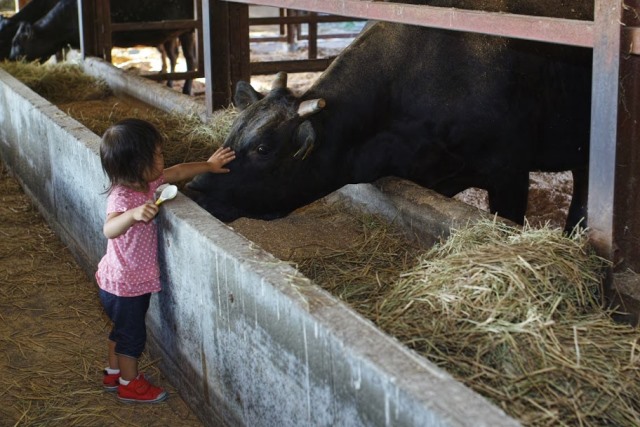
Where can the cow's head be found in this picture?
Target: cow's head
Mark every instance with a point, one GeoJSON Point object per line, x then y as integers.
{"type": "Point", "coordinates": [7, 30]}
{"type": "Point", "coordinates": [21, 41]}
{"type": "Point", "coordinates": [274, 142]}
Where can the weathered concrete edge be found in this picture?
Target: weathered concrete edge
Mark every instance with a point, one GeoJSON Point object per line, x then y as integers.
{"type": "Point", "coordinates": [55, 159]}
{"type": "Point", "coordinates": [425, 215]}
{"type": "Point", "coordinates": [65, 182]}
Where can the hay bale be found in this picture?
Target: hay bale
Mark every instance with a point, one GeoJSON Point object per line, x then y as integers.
{"type": "Point", "coordinates": [515, 314]}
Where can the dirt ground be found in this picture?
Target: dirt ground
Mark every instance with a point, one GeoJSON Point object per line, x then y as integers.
{"type": "Point", "coordinates": [53, 333]}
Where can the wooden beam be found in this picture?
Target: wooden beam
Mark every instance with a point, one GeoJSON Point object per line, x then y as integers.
{"type": "Point", "coordinates": [293, 66]}
{"type": "Point", "coordinates": [554, 30]}
{"type": "Point", "coordinates": [226, 50]}
{"type": "Point", "coordinates": [300, 19]}
{"type": "Point", "coordinates": [173, 76]}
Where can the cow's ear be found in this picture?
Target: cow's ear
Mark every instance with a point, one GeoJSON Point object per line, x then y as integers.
{"type": "Point", "coordinates": [305, 140]}
{"type": "Point", "coordinates": [245, 95]}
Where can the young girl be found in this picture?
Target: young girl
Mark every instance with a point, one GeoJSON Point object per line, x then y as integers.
{"type": "Point", "coordinates": [131, 156]}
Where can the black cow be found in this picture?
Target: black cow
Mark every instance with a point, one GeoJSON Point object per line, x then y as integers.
{"type": "Point", "coordinates": [31, 12]}
{"type": "Point", "coordinates": [56, 30]}
{"type": "Point", "coordinates": [59, 28]}
{"type": "Point", "coordinates": [448, 110]}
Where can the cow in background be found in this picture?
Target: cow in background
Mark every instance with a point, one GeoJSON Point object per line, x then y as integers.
{"type": "Point", "coordinates": [31, 12]}
{"type": "Point", "coordinates": [59, 28]}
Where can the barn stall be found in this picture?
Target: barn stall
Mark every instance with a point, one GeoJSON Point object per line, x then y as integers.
{"type": "Point", "coordinates": [368, 197]}
{"type": "Point", "coordinates": [431, 211]}
{"type": "Point", "coordinates": [229, 302]}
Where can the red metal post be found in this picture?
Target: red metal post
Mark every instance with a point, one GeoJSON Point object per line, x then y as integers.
{"type": "Point", "coordinates": [627, 205]}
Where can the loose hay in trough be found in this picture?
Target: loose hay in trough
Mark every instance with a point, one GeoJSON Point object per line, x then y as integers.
{"type": "Point", "coordinates": [514, 314]}
{"type": "Point", "coordinates": [90, 101]}
{"type": "Point", "coordinates": [60, 82]}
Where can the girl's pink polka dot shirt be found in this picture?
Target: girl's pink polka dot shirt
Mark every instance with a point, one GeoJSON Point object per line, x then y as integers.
{"type": "Point", "coordinates": [130, 266]}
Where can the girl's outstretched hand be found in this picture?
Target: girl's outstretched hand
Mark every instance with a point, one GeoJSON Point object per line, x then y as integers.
{"type": "Point", "coordinates": [221, 157]}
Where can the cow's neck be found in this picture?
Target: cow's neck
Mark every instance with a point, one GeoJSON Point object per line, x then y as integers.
{"type": "Point", "coordinates": [356, 91]}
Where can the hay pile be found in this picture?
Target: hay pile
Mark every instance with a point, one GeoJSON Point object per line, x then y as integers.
{"type": "Point", "coordinates": [515, 315]}
{"type": "Point", "coordinates": [361, 255]}
{"type": "Point", "coordinates": [59, 82]}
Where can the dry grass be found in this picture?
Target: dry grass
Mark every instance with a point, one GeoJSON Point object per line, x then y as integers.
{"type": "Point", "coordinates": [516, 315]}
{"type": "Point", "coordinates": [361, 270]}
{"type": "Point", "coordinates": [513, 313]}
{"type": "Point", "coordinates": [60, 82]}
{"type": "Point", "coordinates": [187, 138]}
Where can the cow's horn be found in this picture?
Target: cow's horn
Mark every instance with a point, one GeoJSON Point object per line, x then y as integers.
{"type": "Point", "coordinates": [280, 82]}
{"type": "Point", "coordinates": [311, 106]}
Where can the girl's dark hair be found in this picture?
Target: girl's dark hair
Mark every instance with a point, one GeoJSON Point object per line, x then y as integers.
{"type": "Point", "coordinates": [127, 151]}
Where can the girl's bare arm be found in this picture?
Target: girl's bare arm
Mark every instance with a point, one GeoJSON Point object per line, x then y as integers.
{"type": "Point", "coordinates": [214, 164]}
{"type": "Point", "coordinates": [118, 223]}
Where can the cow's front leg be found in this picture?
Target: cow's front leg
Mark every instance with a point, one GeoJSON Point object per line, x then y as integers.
{"type": "Point", "coordinates": [508, 196]}
{"type": "Point", "coordinates": [188, 43]}
{"type": "Point", "coordinates": [578, 209]}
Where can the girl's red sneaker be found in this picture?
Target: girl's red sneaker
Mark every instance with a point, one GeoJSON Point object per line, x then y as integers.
{"type": "Point", "coordinates": [139, 390]}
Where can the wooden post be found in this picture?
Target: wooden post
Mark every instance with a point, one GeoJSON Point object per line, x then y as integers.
{"type": "Point", "coordinates": [614, 169]}
{"type": "Point", "coordinates": [626, 240]}
{"type": "Point", "coordinates": [292, 30]}
{"type": "Point", "coordinates": [313, 36]}
{"type": "Point", "coordinates": [239, 44]}
{"type": "Point", "coordinates": [197, 15]}
{"type": "Point", "coordinates": [614, 166]}
{"type": "Point", "coordinates": [225, 30]}
{"type": "Point", "coordinates": [604, 120]}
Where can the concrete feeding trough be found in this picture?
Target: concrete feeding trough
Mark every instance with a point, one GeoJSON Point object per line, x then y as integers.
{"type": "Point", "coordinates": [245, 338]}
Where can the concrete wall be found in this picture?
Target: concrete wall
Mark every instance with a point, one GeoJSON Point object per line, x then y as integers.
{"type": "Point", "coordinates": [245, 338]}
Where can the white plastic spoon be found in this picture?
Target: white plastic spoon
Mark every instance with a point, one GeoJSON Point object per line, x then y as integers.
{"type": "Point", "coordinates": [167, 194]}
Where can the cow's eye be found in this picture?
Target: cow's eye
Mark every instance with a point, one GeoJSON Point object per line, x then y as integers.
{"type": "Point", "coordinates": [263, 149]}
